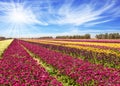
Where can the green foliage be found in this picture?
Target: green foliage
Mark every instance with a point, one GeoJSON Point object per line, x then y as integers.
{"type": "Point", "coordinates": [108, 36]}
{"type": "Point", "coordinates": [2, 38]}
{"type": "Point", "coordinates": [86, 36]}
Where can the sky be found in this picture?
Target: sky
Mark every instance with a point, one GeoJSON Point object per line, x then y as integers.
{"type": "Point", "coordinates": [38, 18]}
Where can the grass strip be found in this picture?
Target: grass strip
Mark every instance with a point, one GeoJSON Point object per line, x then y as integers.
{"type": "Point", "coordinates": [65, 80]}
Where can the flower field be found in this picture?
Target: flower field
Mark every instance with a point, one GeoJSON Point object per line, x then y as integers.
{"type": "Point", "coordinates": [34, 62]}
{"type": "Point", "coordinates": [18, 68]}
{"type": "Point", "coordinates": [106, 54]}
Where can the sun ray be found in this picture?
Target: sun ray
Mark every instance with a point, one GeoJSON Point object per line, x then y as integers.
{"type": "Point", "coordinates": [16, 17]}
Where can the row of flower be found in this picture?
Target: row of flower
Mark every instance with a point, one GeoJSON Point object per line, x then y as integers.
{"type": "Point", "coordinates": [87, 46]}
{"type": "Point", "coordinates": [3, 45]}
{"type": "Point", "coordinates": [95, 55]}
{"type": "Point", "coordinates": [83, 40]}
{"type": "Point", "coordinates": [18, 68]}
{"type": "Point", "coordinates": [96, 47]}
{"type": "Point", "coordinates": [91, 40]}
{"type": "Point", "coordinates": [81, 71]}
{"type": "Point", "coordinates": [108, 46]}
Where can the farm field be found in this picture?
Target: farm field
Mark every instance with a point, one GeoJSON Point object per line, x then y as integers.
{"type": "Point", "coordinates": [33, 62]}
{"type": "Point", "coordinates": [59, 43]}
{"type": "Point", "coordinates": [104, 52]}
{"type": "Point", "coordinates": [4, 45]}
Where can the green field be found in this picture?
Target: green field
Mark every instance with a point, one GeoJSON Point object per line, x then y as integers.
{"type": "Point", "coordinates": [3, 45]}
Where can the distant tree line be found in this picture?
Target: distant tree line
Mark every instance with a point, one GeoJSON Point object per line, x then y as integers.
{"type": "Point", "coordinates": [47, 37]}
{"type": "Point", "coordinates": [108, 36]}
{"type": "Point", "coordinates": [2, 38]}
{"type": "Point", "coordinates": [86, 36]}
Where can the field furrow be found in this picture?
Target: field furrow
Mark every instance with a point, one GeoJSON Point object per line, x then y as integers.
{"type": "Point", "coordinates": [83, 72]}
{"type": "Point", "coordinates": [65, 80]}
{"type": "Point", "coordinates": [18, 68]}
{"type": "Point", "coordinates": [104, 57]}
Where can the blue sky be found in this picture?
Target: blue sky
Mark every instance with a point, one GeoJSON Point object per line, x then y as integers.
{"type": "Point", "coordinates": [35, 18]}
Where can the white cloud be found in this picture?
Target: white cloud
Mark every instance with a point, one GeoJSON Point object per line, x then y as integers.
{"type": "Point", "coordinates": [95, 23]}
{"type": "Point", "coordinates": [86, 13]}
{"type": "Point", "coordinates": [43, 12]}
{"type": "Point", "coordinates": [14, 11]}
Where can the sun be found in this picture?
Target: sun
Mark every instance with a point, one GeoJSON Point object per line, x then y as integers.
{"type": "Point", "coordinates": [18, 15]}
{"type": "Point", "coordinates": [17, 19]}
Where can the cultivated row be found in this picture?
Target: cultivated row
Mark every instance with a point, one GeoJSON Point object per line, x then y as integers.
{"type": "Point", "coordinates": [17, 68]}
{"type": "Point", "coordinates": [93, 55]}
{"type": "Point", "coordinates": [83, 72]}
